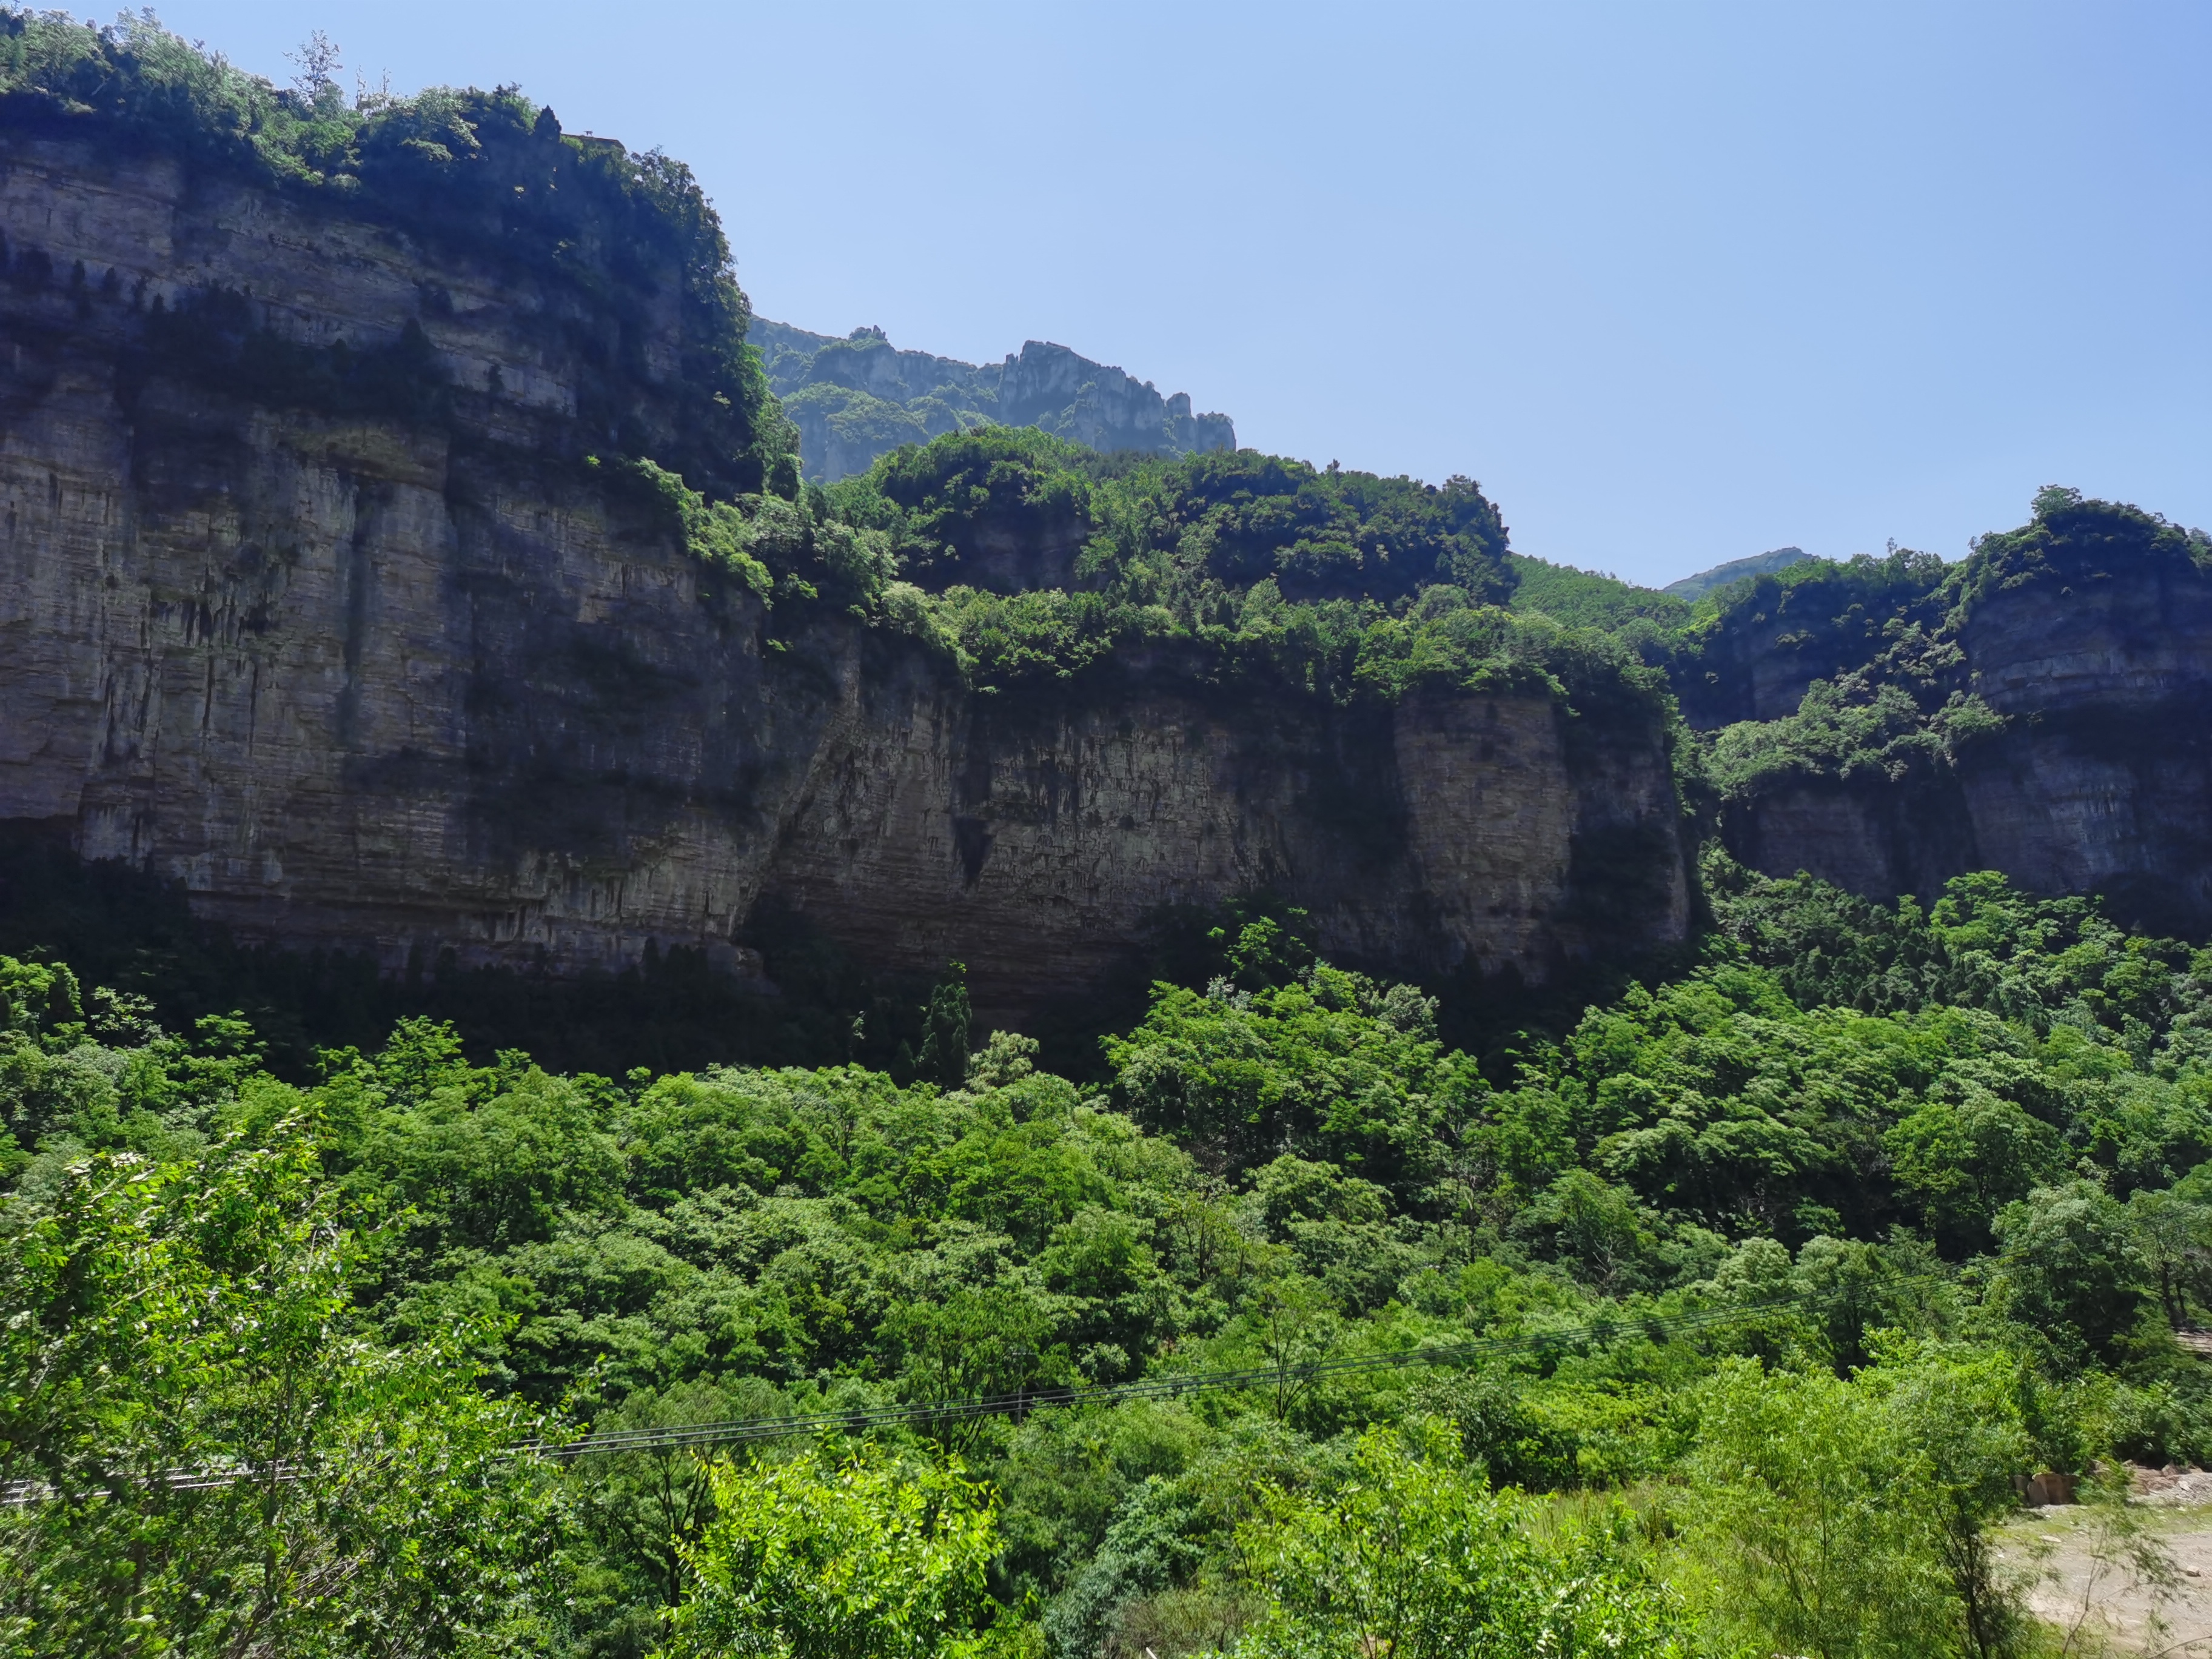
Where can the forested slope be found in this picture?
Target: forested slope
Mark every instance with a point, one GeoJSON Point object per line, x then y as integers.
{"type": "Point", "coordinates": [1953, 1162]}
{"type": "Point", "coordinates": [1698, 1259]}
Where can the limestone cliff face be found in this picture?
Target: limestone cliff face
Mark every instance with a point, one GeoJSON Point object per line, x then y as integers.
{"type": "Point", "coordinates": [1472, 832]}
{"type": "Point", "coordinates": [2104, 779]}
{"type": "Point", "coordinates": [2100, 781]}
{"type": "Point", "coordinates": [1066, 393]}
{"type": "Point", "coordinates": [350, 680]}
{"type": "Point", "coordinates": [360, 679]}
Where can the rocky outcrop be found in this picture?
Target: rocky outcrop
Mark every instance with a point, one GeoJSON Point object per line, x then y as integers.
{"type": "Point", "coordinates": [1051, 388]}
{"type": "Point", "coordinates": [1427, 837]}
{"type": "Point", "coordinates": [2102, 781]}
{"type": "Point", "coordinates": [1697, 585]}
{"type": "Point", "coordinates": [859, 397]}
{"type": "Point", "coordinates": [2099, 663]}
{"type": "Point", "coordinates": [355, 677]}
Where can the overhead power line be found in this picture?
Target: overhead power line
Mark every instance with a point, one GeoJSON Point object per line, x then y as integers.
{"type": "Point", "coordinates": [1022, 1402]}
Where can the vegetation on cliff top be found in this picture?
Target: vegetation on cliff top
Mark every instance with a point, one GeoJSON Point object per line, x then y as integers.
{"type": "Point", "coordinates": [489, 174]}
{"type": "Point", "coordinates": [1026, 560]}
{"type": "Point", "coordinates": [1252, 570]}
{"type": "Point", "coordinates": [1864, 657]}
{"type": "Point", "coordinates": [1237, 567]}
{"type": "Point", "coordinates": [1877, 643]}
{"type": "Point", "coordinates": [1950, 1166]}
{"type": "Point", "coordinates": [1234, 568]}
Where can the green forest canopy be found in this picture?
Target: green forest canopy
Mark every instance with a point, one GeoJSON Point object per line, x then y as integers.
{"type": "Point", "coordinates": [1974, 1141]}
{"type": "Point", "coordinates": [1958, 1160]}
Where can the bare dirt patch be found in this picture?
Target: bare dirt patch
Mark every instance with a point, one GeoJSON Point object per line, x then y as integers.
{"type": "Point", "coordinates": [2135, 1580]}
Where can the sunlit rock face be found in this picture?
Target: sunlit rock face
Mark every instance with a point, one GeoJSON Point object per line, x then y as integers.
{"type": "Point", "coordinates": [411, 685]}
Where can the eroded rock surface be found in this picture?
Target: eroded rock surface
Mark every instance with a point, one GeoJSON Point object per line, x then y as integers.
{"type": "Point", "coordinates": [2099, 781]}
{"type": "Point", "coordinates": [409, 685]}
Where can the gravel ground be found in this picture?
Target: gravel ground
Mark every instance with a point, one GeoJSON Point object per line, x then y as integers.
{"type": "Point", "coordinates": [2105, 1592]}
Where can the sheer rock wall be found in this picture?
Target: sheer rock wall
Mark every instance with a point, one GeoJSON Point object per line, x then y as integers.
{"type": "Point", "coordinates": [2101, 781]}
{"type": "Point", "coordinates": [405, 686]}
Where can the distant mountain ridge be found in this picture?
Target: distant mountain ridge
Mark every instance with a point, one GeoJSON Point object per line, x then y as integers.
{"type": "Point", "coordinates": [1692, 588]}
{"type": "Point", "coordinates": [859, 396]}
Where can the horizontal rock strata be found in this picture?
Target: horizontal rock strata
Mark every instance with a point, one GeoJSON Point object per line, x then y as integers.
{"type": "Point", "coordinates": [377, 683]}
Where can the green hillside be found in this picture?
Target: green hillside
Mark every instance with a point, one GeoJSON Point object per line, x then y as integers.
{"type": "Point", "coordinates": [1720, 1303]}
{"type": "Point", "coordinates": [1862, 1191]}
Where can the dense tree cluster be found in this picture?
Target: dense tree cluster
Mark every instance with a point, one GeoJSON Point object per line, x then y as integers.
{"type": "Point", "coordinates": [1956, 1163]}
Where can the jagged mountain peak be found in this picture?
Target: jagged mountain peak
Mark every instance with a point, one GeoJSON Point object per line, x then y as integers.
{"type": "Point", "coordinates": [858, 396]}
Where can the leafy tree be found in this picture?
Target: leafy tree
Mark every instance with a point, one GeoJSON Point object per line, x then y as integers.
{"type": "Point", "coordinates": [823, 1558]}
{"type": "Point", "coordinates": [642, 1509]}
{"type": "Point", "coordinates": [998, 507]}
{"type": "Point", "coordinates": [972, 1344]}
{"type": "Point", "coordinates": [1583, 598]}
{"type": "Point", "coordinates": [1331, 1063]}
{"type": "Point", "coordinates": [1964, 1160]}
{"type": "Point", "coordinates": [1856, 1516]}
{"type": "Point", "coordinates": [1413, 1558]}
{"type": "Point", "coordinates": [1957, 1416]}
{"type": "Point", "coordinates": [1156, 1539]}
{"type": "Point", "coordinates": [194, 1320]}
{"type": "Point", "coordinates": [1810, 1540]}
{"type": "Point", "coordinates": [944, 1056]}
{"type": "Point", "coordinates": [1326, 532]}
{"type": "Point", "coordinates": [2071, 1265]}
{"type": "Point", "coordinates": [1612, 1242]}
{"type": "Point", "coordinates": [1265, 954]}
{"type": "Point", "coordinates": [1305, 1172]}
{"type": "Point", "coordinates": [2173, 1235]}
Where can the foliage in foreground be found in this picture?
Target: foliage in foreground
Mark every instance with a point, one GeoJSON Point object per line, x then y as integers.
{"type": "Point", "coordinates": [1958, 1160]}
{"type": "Point", "coordinates": [1414, 1556]}
{"type": "Point", "coordinates": [824, 1557]}
{"type": "Point", "coordinates": [198, 1316]}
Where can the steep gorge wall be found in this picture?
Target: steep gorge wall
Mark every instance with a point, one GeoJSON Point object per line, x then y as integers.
{"type": "Point", "coordinates": [2100, 781]}
{"type": "Point", "coordinates": [1038, 842]}
{"type": "Point", "coordinates": [373, 682]}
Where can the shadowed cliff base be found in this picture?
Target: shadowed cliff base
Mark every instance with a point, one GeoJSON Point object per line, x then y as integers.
{"type": "Point", "coordinates": [808, 1002]}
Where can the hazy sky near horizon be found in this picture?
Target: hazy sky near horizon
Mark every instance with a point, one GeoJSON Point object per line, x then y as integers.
{"type": "Point", "coordinates": [1678, 283]}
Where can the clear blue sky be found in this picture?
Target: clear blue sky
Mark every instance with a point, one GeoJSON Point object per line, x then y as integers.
{"type": "Point", "coordinates": [1676, 282]}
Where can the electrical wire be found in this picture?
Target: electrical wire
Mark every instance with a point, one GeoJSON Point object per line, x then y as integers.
{"type": "Point", "coordinates": [1019, 1403]}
